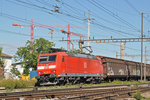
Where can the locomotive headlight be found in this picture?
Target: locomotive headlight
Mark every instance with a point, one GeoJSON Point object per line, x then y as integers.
{"type": "Point", "coordinates": [52, 66]}
{"type": "Point", "coordinates": [53, 71]}
{"type": "Point", "coordinates": [40, 67]}
{"type": "Point", "coordinates": [40, 72]}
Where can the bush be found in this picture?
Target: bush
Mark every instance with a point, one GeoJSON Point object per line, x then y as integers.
{"type": "Point", "coordinates": [20, 84]}
{"type": "Point", "coordinates": [13, 84]}
{"type": "Point", "coordinates": [1, 77]}
{"type": "Point", "coordinates": [137, 96]}
{"type": "Point", "coordinates": [136, 85]}
{"type": "Point", "coordinates": [8, 84]}
{"type": "Point", "coordinates": [147, 99]}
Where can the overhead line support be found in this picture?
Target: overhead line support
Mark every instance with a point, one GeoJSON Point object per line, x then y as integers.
{"type": "Point", "coordinates": [113, 40]}
{"type": "Point", "coordinates": [141, 45]}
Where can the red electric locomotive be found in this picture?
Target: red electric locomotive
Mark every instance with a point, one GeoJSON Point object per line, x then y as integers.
{"type": "Point", "coordinates": [67, 67]}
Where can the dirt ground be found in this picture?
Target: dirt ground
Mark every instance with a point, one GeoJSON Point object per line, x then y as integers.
{"type": "Point", "coordinates": [146, 94]}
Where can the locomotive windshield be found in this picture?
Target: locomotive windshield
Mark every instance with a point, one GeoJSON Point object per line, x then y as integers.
{"type": "Point", "coordinates": [45, 59]}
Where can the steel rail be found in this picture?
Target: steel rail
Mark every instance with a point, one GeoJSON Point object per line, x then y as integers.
{"type": "Point", "coordinates": [63, 93]}
{"type": "Point", "coordinates": [108, 94]}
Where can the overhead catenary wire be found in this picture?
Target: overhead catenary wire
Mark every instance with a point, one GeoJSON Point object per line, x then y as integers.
{"type": "Point", "coordinates": [69, 15]}
{"type": "Point", "coordinates": [106, 27]}
{"type": "Point", "coordinates": [95, 15]}
{"type": "Point", "coordinates": [98, 5]}
{"type": "Point", "coordinates": [45, 8]}
{"type": "Point", "coordinates": [35, 8]}
{"type": "Point", "coordinates": [23, 34]}
{"type": "Point", "coordinates": [136, 10]}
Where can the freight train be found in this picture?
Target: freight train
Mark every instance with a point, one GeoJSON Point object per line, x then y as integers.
{"type": "Point", "coordinates": [67, 67]}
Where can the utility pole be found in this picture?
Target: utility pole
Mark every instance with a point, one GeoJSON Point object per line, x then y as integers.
{"type": "Point", "coordinates": [116, 54]}
{"type": "Point", "coordinates": [51, 32]}
{"type": "Point", "coordinates": [68, 36]}
{"type": "Point", "coordinates": [122, 50]}
{"type": "Point", "coordinates": [145, 65]}
{"type": "Point", "coordinates": [72, 45]}
{"type": "Point", "coordinates": [141, 44]}
{"type": "Point", "coordinates": [80, 44]}
{"type": "Point", "coordinates": [88, 29]}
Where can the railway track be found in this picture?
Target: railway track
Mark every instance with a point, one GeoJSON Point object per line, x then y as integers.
{"type": "Point", "coordinates": [96, 93]}
{"type": "Point", "coordinates": [107, 95]}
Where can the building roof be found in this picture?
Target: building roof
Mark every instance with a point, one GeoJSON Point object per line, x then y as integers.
{"type": "Point", "coordinates": [6, 55]}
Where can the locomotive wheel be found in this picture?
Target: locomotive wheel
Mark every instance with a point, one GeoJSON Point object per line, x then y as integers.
{"type": "Point", "coordinates": [37, 84]}
{"type": "Point", "coordinates": [61, 83]}
{"type": "Point", "coordinates": [98, 81]}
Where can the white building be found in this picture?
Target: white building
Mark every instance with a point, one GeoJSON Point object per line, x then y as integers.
{"type": "Point", "coordinates": [19, 67]}
{"type": "Point", "coordinates": [7, 63]}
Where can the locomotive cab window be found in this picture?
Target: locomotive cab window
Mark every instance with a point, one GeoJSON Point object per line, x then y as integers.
{"type": "Point", "coordinates": [52, 58]}
{"type": "Point", "coordinates": [43, 59]}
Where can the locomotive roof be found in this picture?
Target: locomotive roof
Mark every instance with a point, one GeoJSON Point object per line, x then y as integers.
{"type": "Point", "coordinates": [81, 55]}
{"type": "Point", "coordinates": [53, 50]}
{"type": "Point", "coordinates": [118, 59]}
{"type": "Point", "coordinates": [77, 55]}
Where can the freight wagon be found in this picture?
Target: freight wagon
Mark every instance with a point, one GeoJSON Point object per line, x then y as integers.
{"type": "Point", "coordinates": [147, 72]}
{"type": "Point", "coordinates": [123, 69]}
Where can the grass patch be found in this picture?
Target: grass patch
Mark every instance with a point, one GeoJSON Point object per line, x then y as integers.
{"type": "Point", "coordinates": [14, 84]}
{"type": "Point", "coordinates": [138, 96]}
{"type": "Point", "coordinates": [147, 99]}
{"type": "Point", "coordinates": [116, 82]}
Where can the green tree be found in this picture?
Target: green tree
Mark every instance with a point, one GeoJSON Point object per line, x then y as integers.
{"type": "Point", "coordinates": [1, 60]}
{"type": "Point", "coordinates": [15, 71]}
{"type": "Point", "coordinates": [77, 51]}
{"type": "Point", "coordinates": [28, 55]}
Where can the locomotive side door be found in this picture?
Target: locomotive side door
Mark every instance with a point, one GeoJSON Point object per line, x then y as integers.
{"type": "Point", "coordinates": [65, 64]}
{"type": "Point", "coordinates": [64, 61]}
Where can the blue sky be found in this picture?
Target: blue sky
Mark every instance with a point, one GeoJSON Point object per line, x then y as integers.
{"type": "Point", "coordinates": [110, 18]}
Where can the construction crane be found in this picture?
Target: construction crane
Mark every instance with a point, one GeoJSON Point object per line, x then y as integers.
{"type": "Point", "coordinates": [32, 27]}
{"type": "Point", "coordinates": [52, 26]}
{"type": "Point", "coordinates": [68, 36]}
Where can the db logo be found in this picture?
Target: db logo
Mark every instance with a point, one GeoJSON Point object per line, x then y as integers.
{"type": "Point", "coordinates": [85, 65]}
